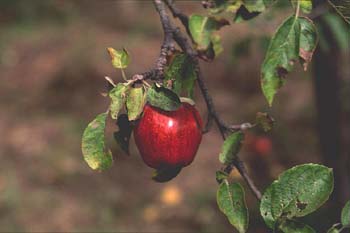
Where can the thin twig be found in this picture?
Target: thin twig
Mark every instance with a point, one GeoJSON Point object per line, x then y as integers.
{"type": "Point", "coordinates": [185, 45]}
{"type": "Point", "coordinates": [241, 169]}
{"type": "Point", "coordinates": [208, 124]}
{"type": "Point", "coordinates": [178, 14]}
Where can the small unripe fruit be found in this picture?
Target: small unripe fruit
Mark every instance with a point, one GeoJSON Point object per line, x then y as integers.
{"type": "Point", "coordinates": [168, 139]}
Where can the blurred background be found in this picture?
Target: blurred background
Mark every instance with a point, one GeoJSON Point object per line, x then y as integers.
{"type": "Point", "coordinates": [52, 62]}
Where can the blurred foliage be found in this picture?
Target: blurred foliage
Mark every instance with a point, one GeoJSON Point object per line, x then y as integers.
{"type": "Point", "coordinates": [339, 30]}
{"type": "Point", "coordinates": [22, 11]}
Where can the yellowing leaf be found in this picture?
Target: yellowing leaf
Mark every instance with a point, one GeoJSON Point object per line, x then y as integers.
{"type": "Point", "coordinates": [202, 27]}
{"type": "Point", "coordinates": [120, 58]}
{"type": "Point", "coordinates": [117, 95]}
{"type": "Point", "coordinates": [135, 102]}
{"type": "Point", "coordinates": [93, 145]}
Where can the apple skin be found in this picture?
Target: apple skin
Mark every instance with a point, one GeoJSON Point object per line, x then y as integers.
{"type": "Point", "coordinates": [168, 139]}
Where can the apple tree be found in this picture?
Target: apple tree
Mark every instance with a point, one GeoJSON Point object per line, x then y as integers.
{"type": "Point", "coordinates": [157, 106]}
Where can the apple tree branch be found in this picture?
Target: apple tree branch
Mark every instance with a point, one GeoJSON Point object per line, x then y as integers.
{"type": "Point", "coordinates": [171, 34]}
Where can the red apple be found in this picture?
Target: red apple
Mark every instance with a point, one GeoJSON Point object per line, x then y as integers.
{"type": "Point", "coordinates": [168, 139]}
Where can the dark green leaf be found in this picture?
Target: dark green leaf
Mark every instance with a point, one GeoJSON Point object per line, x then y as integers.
{"type": "Point", "coordinates": [231, 147]}
{"type": "Point", "coordinates": [297, 192]}
{"type": "Point", "coordinates": [163, 98]}
{"type": "Point", "coordinates": [122, 136]}
{"type": "Point", "coordinates": [243, 14]}
{"type": "Point", "coordinates": [165, 174]}
{"type": "Point", "coordinates": [264, 120]}
{"type": "Point", "coordinates": [202, 27]}
{"type": "Point", "coordinates": [342, 7]}
{"type": "Point", "coordinates": [117, 95]}
{"type": "Point", "coordinates": [93, 144]}
{"type": "Point", "coordinates": [294, 40]}
{"type": "Point", "coordinates": [251, 8]}
{"type": "Point", "coordinates": [135, 102]}
{"type": "Point", "coordinates": [231, 201]}
{"type": "Point", "coordinates": [180, 75]}
{"type": "Point", "coordinates": [345, 215]}
{"type": "Point", "coordinates": [120, 58]}
{"type": "Point", "coordinates": [295, 227]}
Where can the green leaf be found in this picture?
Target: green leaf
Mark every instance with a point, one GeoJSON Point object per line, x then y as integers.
{"type": "Point", "coordinates": [221, 176]}
{"type": "Point", "coordinates": [334, 228]}
{"type": "Point", "coordinates": [122, 136]}
{"type": "Point", "coordinates": [231, 147]}
{"type": "Point", "coordinates": [265, 207]}
{"type": "Point", "coordinates": [163, 98]}
{"type": "Point", "coordinates": [117, 95]}
{"type": "Point", "coordinates": [120, 58]}
{"type": "Point", "coordinates": [216, 40]}
{"type": "Point", "coordinates": [308, 40]}
{"type": "Point", "coordinates": [294, 40]}
{"type": "Point", "coordinates": [257, 5]}
{"type": "Point", "coordinates": [264, 120]}
{"type": "Point", "coordinates": [305, 5]}
{"type": "Point", "coordinates": [180, 75]}
{"type": "Point", "coordinates": [93, 144]}
{"type": "Point", "coordinates": [345, 215]}
{"type": "Point", "coordinates": [243, 9]}
{"type": "Point", "coordinates": [298, 191]}
{"type": "Point", "coordinates": [231, 201]}
{"type": "Point", "coordinates": [295, 227]}
{"type": "Point", "coordinates": [251, 8]}
{"type": "Point", "coordinates": [165, 174]}
{"type": "Point", "coordinates": [225, 5]}
{"type": "Point", "coordinates": [135, 101]}
{"type": "Point", "coordinates": [342, 7]}
{"type": "Point", "coordinates": [202, 27]}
